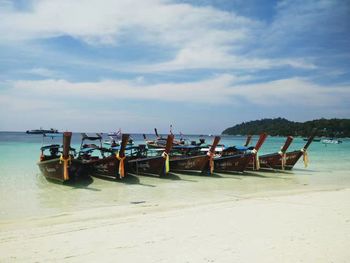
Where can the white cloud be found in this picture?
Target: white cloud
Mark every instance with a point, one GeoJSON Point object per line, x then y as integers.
{"type": "Point", "coordinates": [293, 91]}
{"type": "Point", "coordinates": [222, 89]}
{"type": "Point", "coordinates": [214, 58]}
{"type": "Point", "coordinates": [105, 21]}
{"type": "Point", "coordinates": [48, 102]}
{"type": "Point", "coordinates": [207, 91]}
{"type": "Point", "coordinates": [42, 72]}
{"type": "Point", "coordinates": [304, 23]}
{"type": "Point", "coordinates": [202, 37]}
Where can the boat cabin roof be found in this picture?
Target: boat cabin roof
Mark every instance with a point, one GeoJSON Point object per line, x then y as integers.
{"type": "Point", "coordinates": [52, 146]}
{"type": "Point", "coordinates": [237, 148]}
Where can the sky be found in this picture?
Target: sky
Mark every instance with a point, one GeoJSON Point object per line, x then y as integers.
{"type": "Point", "coordinates": [201, 65]}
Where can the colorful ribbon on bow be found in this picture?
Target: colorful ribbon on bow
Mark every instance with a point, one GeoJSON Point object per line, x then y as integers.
{"type": "Point", "coordinates": [305, 157]}
{"type": "Point", "coordinates": [211, 161]}
{"type": "Point", "coordinates": [167, 166]}
{"type": "Point", "coordinates": [121, 169]}
{"type": "Point", "coordinates": [283, 159]}
{"type": "Point", "coordinates": [256, 161]}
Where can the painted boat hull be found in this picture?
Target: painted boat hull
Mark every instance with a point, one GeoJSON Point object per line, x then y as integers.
{"type": "Point", "coordinates": [150, 166]}
{"type": "Point", "coordinates": [106, 167]}
{"type": "Point", "coordinates": [232, 163]}
{"type": "Point", "coordinates": [194, 163]}
{"type": "Point", "coordinates": [268, 161]}
{"type": "Point", "coordinates": [292, 158]}
{"type": "Point", "coordinates": [53, 170]}
{"type": "Point", "coordinates": [274, 161]}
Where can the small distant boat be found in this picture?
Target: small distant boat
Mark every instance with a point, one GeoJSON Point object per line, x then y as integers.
{"type": "Point", "coordinates": [331, 141]}
{"type": "Point", "coordinates": [160, 141]}
{"type": "Point", "coordinates": [314, 140]}
{"type": "Point", "coordinates": [115, 139]}
{"type": "Point", "coordinates": [42, 131]}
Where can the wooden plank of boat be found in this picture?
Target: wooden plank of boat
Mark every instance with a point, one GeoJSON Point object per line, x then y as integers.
{"type": "Point", "coordinates": [275, 160]}
{"type": "Point", "coordinates": [156, 166]}
{"type": "Point", "coordinates": [238, 162]}
{"type": "Point", "coordinates": [62, 168]}
{"type": "Point", "coordinates": [200, 163]}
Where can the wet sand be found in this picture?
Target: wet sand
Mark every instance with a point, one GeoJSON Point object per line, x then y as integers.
{"type": "Point", "coordinates": [309, 226]}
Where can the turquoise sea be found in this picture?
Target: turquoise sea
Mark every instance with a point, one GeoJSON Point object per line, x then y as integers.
{"type": "Point", "coordinates": [25, 193]}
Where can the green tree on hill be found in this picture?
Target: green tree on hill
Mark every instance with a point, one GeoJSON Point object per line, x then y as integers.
{"type": "Point", "coordinates": [284, 127]}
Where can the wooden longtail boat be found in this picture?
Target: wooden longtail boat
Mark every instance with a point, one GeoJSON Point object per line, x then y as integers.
{"type": "Point", "coordinates": [155, 165]}
{"type": "Point", "coordinates": [110, 162]}
{"type": "Point", "coordinates": [59, 164]}
{"type": "Point", "coordinates": [236, 159]}
{"type": "Point", "coordinates": [200, 163]}
{"type": "Point", "coordinates": [293, 157]}
{"type": "Point", "coordinates": [275, 160]}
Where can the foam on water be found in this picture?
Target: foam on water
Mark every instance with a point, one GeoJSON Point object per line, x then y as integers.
{"type": "Point", "coordinates": [25, 193]}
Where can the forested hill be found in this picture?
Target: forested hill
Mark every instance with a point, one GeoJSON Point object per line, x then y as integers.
{"type": "Point", "coordinates": [283, 127]}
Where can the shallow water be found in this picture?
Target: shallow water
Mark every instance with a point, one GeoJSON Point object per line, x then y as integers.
{"type": "Point", "coordinates": [25, 193]}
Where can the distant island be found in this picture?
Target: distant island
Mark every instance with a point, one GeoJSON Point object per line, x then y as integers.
{"type": "Point", "coordinates": [283, 127]}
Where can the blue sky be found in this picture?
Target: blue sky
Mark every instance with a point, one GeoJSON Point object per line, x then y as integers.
{"type": "Point", "coordinates": [200, 65]}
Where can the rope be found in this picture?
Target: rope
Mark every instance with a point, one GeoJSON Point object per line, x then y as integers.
{"type": "Point", "coordinates": [211, 161]}
{"type": "Point", "coordinates": [305, 157]}
{"type": "Point", "coordinates": [121, 169]}
{"type": "Point", "coordinates": [167, 166]}
{"type": "Point", "coordinates": [65, 166]}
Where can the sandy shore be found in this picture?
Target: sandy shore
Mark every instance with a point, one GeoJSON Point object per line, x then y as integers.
{"type": "Point", "coordinates": [303, 227]}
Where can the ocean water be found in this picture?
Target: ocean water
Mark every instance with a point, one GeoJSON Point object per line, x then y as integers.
{"type": "Point", "coordinates": [26, 194]}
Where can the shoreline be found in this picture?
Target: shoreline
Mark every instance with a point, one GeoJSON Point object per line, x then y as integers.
{"type": "Point", "coordinates": [290, 227]}
{"type": "Point", "coordinates": [172, 204]}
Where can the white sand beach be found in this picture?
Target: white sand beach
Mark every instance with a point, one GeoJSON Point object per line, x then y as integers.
{"type": "Point", "coordinates": [312, 226]}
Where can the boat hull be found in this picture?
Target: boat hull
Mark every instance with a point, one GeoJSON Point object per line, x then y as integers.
{"type": "Point", "coordinates": [269, 161]}
{"type": "Point", "coordinates": [274, 161]}
{"type": "Point", "coordinates": [193, 163]}
{"type": "Point", "coordinates": [150, 166]}
{"type": "Point", "coordinates": [232, 163]}
{"type": "Point", "coordinates": [106, 167]}
{"type": "Point", "coordinates": [54, 170]}
{"type": "Point", "coordinates": [292, 158]}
